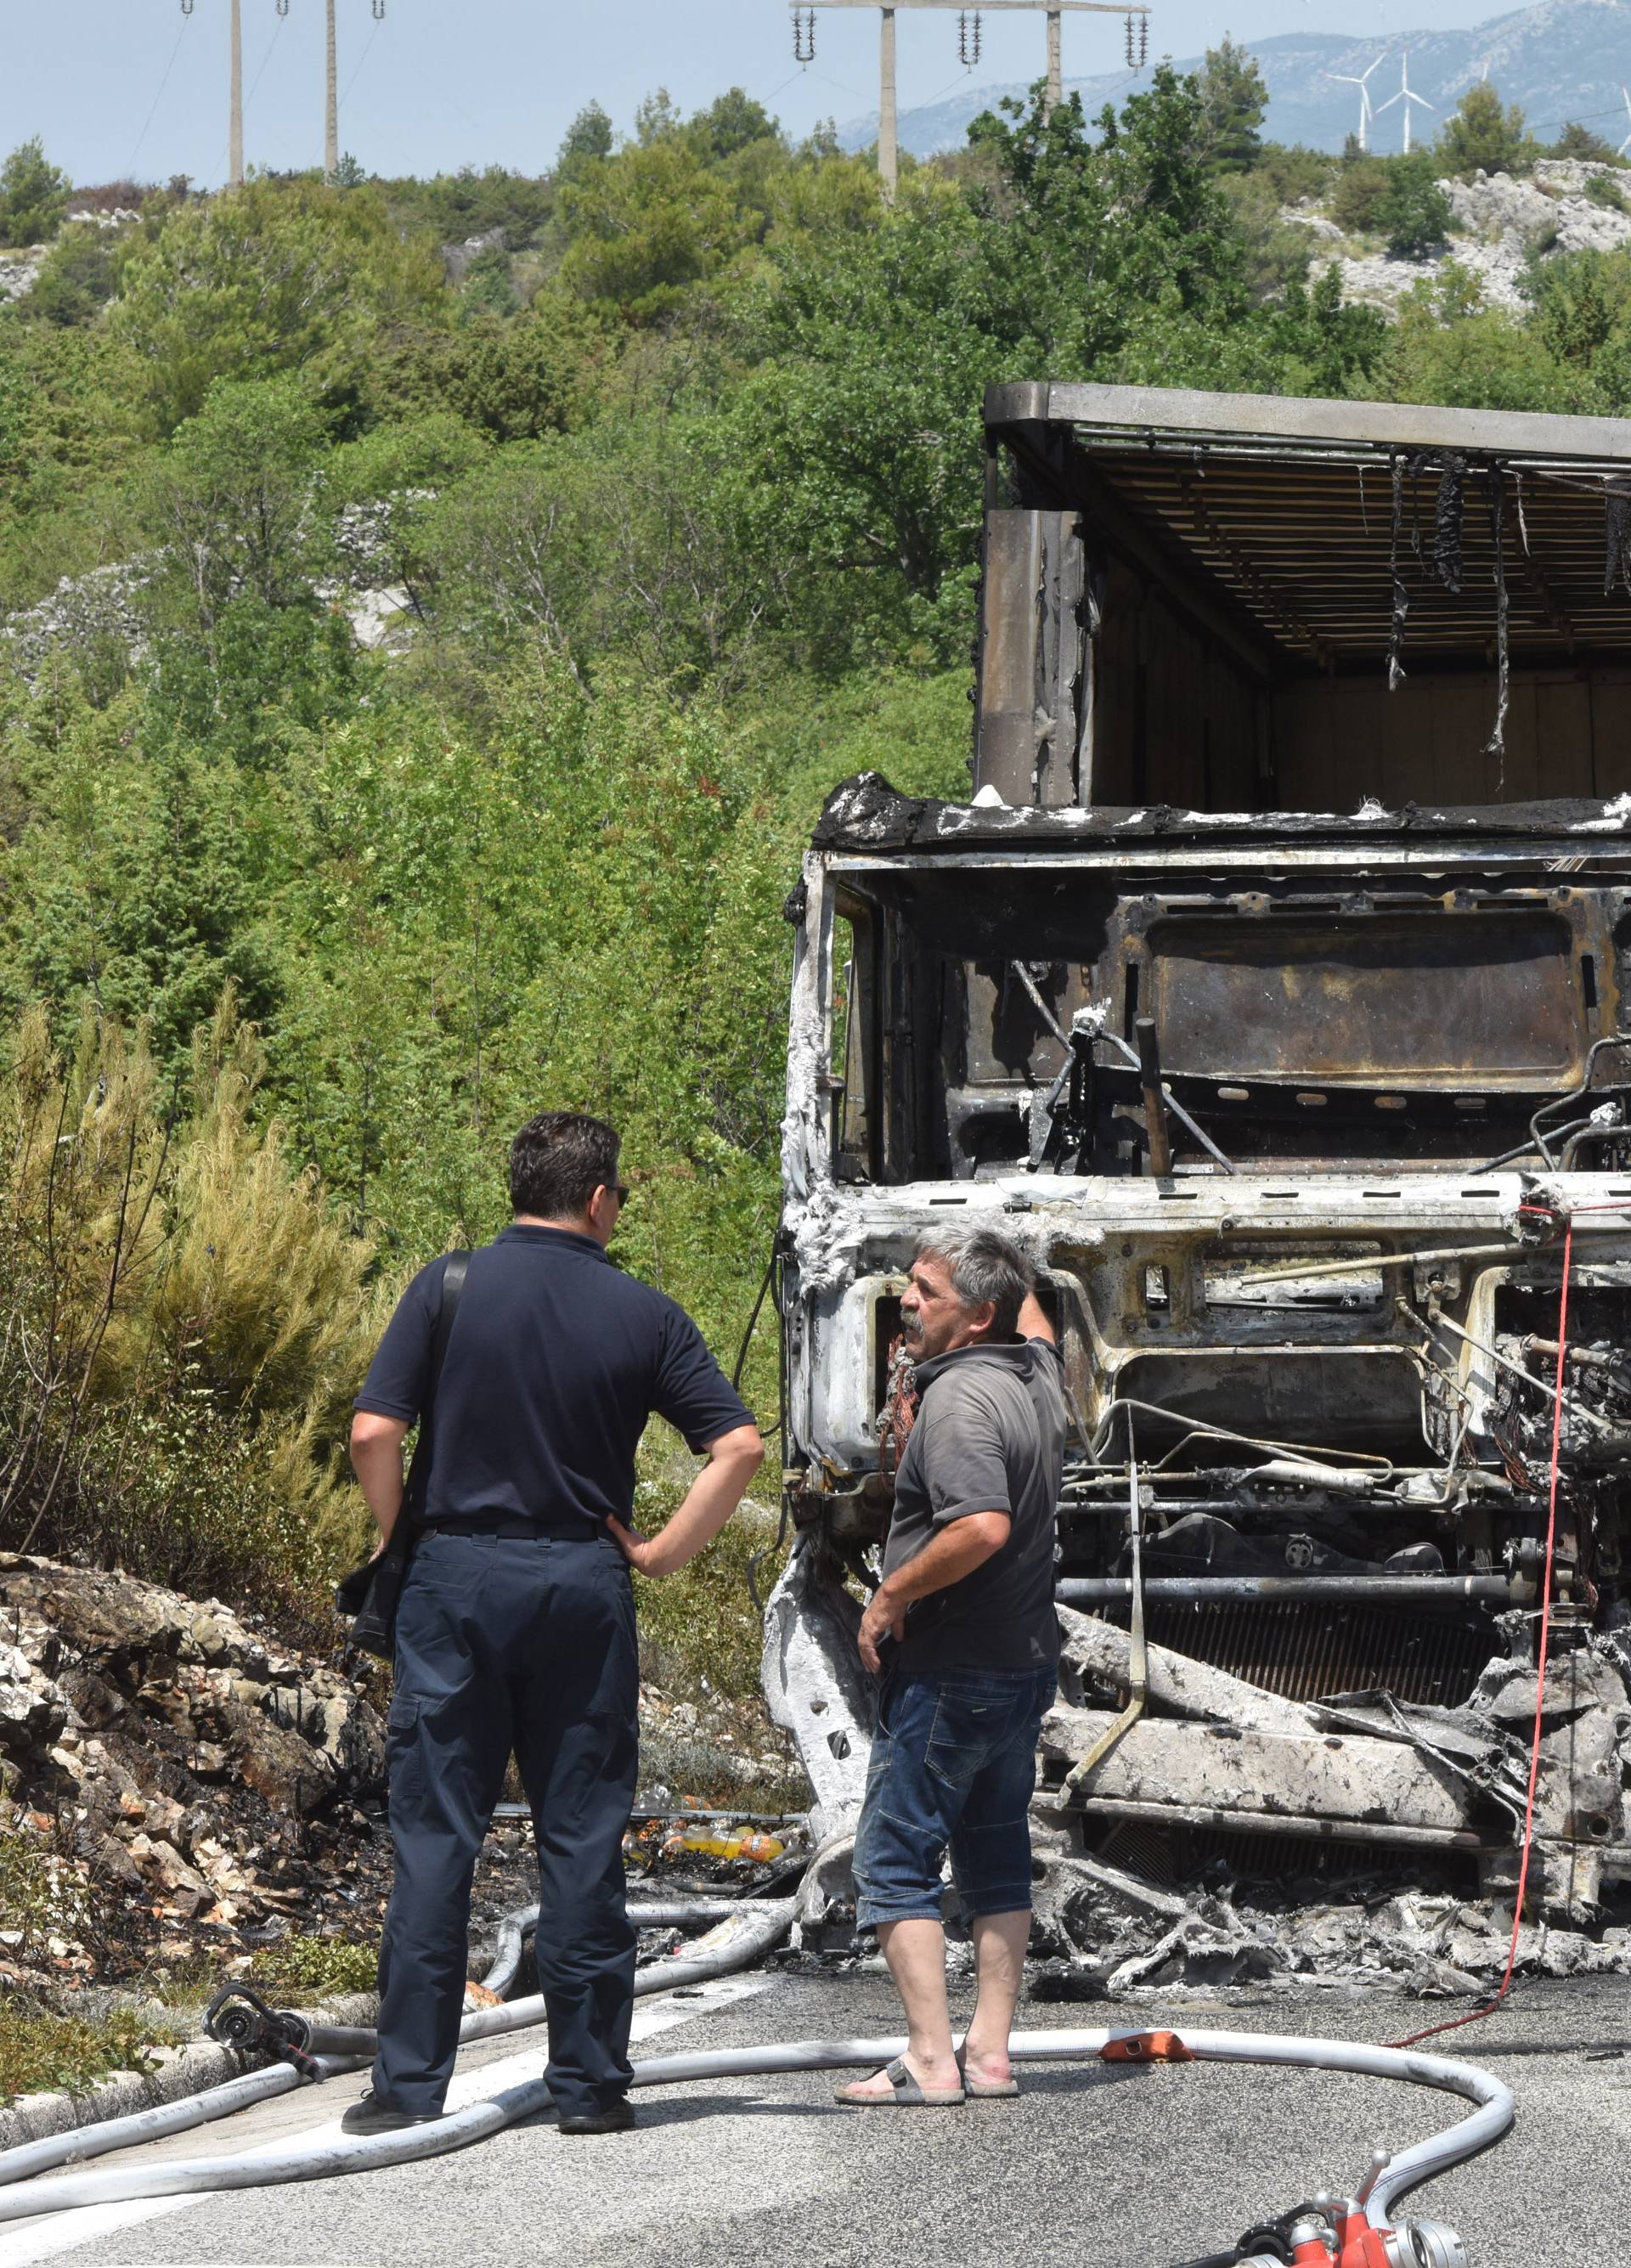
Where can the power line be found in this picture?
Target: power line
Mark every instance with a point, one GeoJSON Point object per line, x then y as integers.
{"type": "Point", "coordinates": [158, 98]}
{"type": "Point", "coordinates": [265, 59]}
{"type": "Point", "coordinates": [361, 60]}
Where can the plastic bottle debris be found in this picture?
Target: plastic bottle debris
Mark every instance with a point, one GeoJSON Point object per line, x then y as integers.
{"type": "Point", "coordinates": [704, 1842]}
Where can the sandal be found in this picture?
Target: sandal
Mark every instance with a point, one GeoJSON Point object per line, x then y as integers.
{"type": "Point", "coordinates": [905, 2093]}
{"type": "Point", "coordinates": [983, 2090]}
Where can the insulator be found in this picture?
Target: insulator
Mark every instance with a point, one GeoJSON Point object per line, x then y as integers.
{"type": "Point", "coordinates": [804, 35]}
{"type": "Point", "coordinates": [378, 11]}
{"type": "Point", "coordinates": [186, 7]}
{"type": "Point", "coordinates": [1143, 41]}
{"type": "Point", "coordinates": [283, 7]}
{"type": "Point", "coordinates": [1132, 63]}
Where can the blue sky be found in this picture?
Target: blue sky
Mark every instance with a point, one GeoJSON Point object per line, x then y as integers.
{"type": "Point", "coordinates": [122, 85]}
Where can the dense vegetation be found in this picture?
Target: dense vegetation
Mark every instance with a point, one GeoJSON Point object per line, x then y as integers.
{"type": "Point", "coordinates": [670, 460]}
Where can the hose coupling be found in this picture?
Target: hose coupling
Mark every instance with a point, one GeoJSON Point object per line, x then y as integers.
{"type": "Point", "coordinates": [1424, 2245]}
{"type": "Point", "coordinates": [1408, 2244]}
{"type": "Point", "coordinates": [238, 2017]}
{"type": "Point", "coordinates": [1313, 2242]}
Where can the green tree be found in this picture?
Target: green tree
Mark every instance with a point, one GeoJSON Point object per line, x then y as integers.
{"type": "Point", "coordinates": [1412, 212]}
{"type": "Point", "coordinates": [1362, 184]}
{"type": "Point", "coordinates": [1274, 252]}
{"type": "Point", "coordinates": [231, 498]}
{"type": "Point", "coordinates": [488, 287]}
{"type": "Point", "coordinates": [515, 380]}
{"type": "Point", "coordinates": [1577, 141]}
{"type": "Point", "coordinates": [241, 639]}
{"type": "Point", "coordinates": [455, 207]}
{"type": "Point", "coordinates": [730, 123]}
{"type": "Point", "coordinates": [589, 136]}
{"type": "Point", "coordinates": [1448, 347]}
{"type": "Point", "coordinates": [1085, 235]}
{"type": "Point", "coordinates": [394, 475]}
{"type": "Point", "coordinates": [1580, 298]}
{"type": "Point", "coordinates": [275, 277]}
{"type": "Point", "coordinates": [611, 552]}
{"type": "Point", "coordinates": [1233, 100]}
{"type": "Point", "coordinates": [33, 196]}
{"type": "Point", "coordinates": [1479, 133]}
{"type": "Point", "coordinates": [646, 224]}
{"type": "Point", "coordinates": [131, 887]}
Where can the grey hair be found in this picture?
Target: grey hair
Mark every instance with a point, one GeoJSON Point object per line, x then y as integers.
{"type": "Point", "coordinates": [983, 1263]}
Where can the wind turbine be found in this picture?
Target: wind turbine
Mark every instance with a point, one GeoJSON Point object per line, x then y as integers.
{"type": "Point", "coordinates": [1407, 96]}
{"type": "Point", "coordinates": [1347, 79]}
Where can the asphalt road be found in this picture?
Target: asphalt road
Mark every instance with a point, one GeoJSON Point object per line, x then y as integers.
{"type": "Point", "coordinates": [1095, 2167]}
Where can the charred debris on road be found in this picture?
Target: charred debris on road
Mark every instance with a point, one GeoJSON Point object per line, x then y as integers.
{"type": "Point", "coordinates": [1276, 983]}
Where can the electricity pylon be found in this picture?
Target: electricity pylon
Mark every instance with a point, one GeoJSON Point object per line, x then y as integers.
{"type": "Point", "coordinates": [331, 111]}
{"type": "Point", "coordinates": [331, 108]}
{"type": "Point", "coordinates": [235, 135]}
{"type": "Point", "coordinates": [235, 91]}
{"type": "Point", "coordinates": [1405, 95]}
{"type": "Point", "coordinates": [1347, 79]}
{"type": "Point", "coordinates": [889, 148]}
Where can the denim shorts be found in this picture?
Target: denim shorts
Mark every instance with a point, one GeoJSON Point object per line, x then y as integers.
{"type": "Point", "coordinates": [954, 1762]}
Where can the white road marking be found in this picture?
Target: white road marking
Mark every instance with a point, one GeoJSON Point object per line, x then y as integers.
{"type": "Point", "coordinates": [61, 2232]}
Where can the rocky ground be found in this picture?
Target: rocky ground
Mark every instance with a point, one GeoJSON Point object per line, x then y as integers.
{"type": "Point", "coordinates": [1501, 223]}
{"type": "Point", "coordinates": [183, 1790]}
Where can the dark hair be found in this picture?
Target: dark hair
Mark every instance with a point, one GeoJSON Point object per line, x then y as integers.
{"type": "Point", "coordinates": [559, 1160]}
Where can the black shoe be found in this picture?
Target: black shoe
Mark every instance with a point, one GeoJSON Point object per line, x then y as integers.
{"type": "Point", "coordinates": [372, 2117]}
{"type": "Point", "coordinates": [611, 2118]}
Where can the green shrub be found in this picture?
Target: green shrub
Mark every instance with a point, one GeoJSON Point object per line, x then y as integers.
{"type": "Point", "coordinates": [77, 279]}
{"type": "Point", "coordinates": [43, 2052]}
{"type": "Point", "coordinates": [316, 1967]}
{"type": "Point", "coordinates": [41, 1894]}
{"type": "Point", "coordinates": [1577, 141]}
{"type": "Point", "coordinates": [699, 1630]}
{"type": "Point", "coordinates": [188, 1321]}
{"type": "Point", "coordinates": [1362, 184]}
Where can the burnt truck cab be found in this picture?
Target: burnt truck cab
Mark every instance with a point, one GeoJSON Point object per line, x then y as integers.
{"type": "Point", "coordinates": [1275, 983]}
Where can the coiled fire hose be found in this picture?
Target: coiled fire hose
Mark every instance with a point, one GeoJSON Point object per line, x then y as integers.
{"type": "Point", "coordinates": [1370, 2238]}
{"type": "Point", "coordinates": [743, 1932]}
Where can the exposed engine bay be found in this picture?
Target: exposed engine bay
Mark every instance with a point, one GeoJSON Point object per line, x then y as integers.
{"type": "Point", "coordinates": [1312, 1392]}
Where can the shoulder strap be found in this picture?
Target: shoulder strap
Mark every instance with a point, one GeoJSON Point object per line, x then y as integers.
{"type": "Point", "coordinates": [420, 1471]}
{"type": "Point", "coordinates": [452, 1287]}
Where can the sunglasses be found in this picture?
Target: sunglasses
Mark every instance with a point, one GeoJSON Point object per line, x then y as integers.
{"type": "Point", "coordinates": [620, 1190]}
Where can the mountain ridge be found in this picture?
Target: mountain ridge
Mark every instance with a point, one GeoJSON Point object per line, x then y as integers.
{"type": "Point", "coordinates": [1560, 60]}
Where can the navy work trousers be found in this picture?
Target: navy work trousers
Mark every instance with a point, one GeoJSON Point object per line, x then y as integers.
{"type": "Point", "coordinates": [528, 1646]}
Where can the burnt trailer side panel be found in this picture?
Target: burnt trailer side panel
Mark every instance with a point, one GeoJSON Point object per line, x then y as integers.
{"type": "Point", "coordinates": [1305, 615]}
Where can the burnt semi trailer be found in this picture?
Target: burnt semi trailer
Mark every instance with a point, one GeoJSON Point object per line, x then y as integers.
{"type": "Point", "coordinates": [1275, 980]}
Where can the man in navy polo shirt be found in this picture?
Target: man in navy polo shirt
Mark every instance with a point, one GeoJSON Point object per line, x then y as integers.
{"type": "Point", "coordinates": [515, 1631]}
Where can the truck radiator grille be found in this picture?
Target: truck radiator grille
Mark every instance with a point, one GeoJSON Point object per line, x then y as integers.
{"type": "Point", "coordinates": [1304, 1653]}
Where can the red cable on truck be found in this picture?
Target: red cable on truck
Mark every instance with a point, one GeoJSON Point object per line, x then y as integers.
{"type": "Point", "coordinates": [1456, 2022]}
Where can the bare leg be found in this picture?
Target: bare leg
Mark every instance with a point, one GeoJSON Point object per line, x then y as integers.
{"type": "Point", "coordinates": [916, 1953]}
{"type": "Point", "coordinates": [999, 1942]}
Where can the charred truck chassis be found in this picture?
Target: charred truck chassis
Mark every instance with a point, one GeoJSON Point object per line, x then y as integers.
{"type": "Point", "coordinates": [1296, 1109]}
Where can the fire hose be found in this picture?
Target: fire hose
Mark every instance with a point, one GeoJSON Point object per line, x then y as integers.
{"type": "Point", "coordinates": [1346, 2233]}
{"type": "Point", "coordinates": [307, 2051]}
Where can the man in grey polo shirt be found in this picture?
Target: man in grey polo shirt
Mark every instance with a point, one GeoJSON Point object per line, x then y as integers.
{"type": "Point", "coordinates": [963, 1635]}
